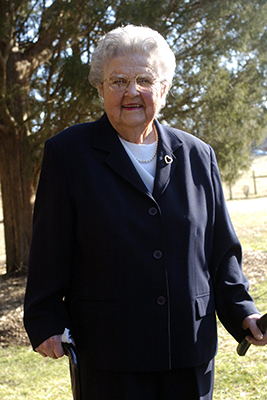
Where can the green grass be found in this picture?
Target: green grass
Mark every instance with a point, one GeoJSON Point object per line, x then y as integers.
{"type": "Point", "coordinates": [245, 377]}
{"type": "Point", "coordinates": [26, 375]}
{"type": "Point", "coordinates": [241, 377]}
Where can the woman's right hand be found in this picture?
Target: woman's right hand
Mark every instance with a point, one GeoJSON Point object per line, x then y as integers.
{"type": "Point", "coordinates": [51, 347]}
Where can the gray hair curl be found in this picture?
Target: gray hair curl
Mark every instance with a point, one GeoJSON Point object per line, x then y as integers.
{"type": "Point", "coordinates": [132, 39]}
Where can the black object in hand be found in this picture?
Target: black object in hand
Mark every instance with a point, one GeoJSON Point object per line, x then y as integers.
{"type": "Point", "coordinates": [244, 345]}
{"type": "Point", "coordinates": [69, 350]}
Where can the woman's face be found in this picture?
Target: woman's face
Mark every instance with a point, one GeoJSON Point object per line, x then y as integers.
{"type": "Point", "coordinates": [133, 109]}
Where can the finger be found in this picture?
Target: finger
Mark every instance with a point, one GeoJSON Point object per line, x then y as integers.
{"type": "Point", "coordinates": [55, 347]}
{"type": "Point", "coordinates": [51, 347]}
{"type": "Point", "coordinates": [251, 323]}
{"type": "Point", "coordinates": [41, 352]}
{"type": "Point", "coordinates": [256, 342]}
{"type": "Point", "coordinates": [58, 351]}
{"type": "Point", "coordinates": [256, 332]}
{"type": "Point", "coordinates": [45, 350]}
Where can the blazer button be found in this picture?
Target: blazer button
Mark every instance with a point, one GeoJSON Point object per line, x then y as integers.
{"type": "Point", "coordinates": [153, 211]}
{"type": "Point", "coordinates": [157, 254]}
{"type": "Point", "coordinates": [161, 300]}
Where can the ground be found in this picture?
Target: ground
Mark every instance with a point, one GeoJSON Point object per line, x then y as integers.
{"type": "Point", "coordinates": [11, 311]}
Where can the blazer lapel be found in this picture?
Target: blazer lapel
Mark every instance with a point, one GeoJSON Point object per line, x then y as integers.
{"type": "Point", "coordinates": [166, 159]}
{"type": "Point", "coordinates": [106, 139]}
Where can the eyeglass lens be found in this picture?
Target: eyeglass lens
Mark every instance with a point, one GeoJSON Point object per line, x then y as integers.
{"type": "Point", "coordinates": [121, 82]}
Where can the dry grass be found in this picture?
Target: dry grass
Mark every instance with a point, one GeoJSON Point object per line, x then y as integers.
{"type": "Point", "coordinates": [259, 166]}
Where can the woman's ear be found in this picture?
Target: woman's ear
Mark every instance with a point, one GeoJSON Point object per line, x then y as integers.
{"type": "Point", "coordinates": [164, 89]}
{"type": "Point", "coordinates": [101, 90]}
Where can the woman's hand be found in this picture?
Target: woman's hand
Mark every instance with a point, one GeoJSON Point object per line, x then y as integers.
{"type": "Point", "coordinates": [258, 339]}
{"type": "Point", "coordinates": [51, 347]}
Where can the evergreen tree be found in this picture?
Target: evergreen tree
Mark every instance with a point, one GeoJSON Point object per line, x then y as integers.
{"type": "Point", "coordinates": [45, 49]}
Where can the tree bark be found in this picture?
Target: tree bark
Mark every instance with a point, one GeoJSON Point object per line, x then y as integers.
{"type": "Point", "coordinates": [31, 33]}
{"type": "Point", "coordinates": [16, 186]}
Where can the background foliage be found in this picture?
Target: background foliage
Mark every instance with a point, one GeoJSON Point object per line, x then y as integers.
{"type": "Point", "coordinates": [218, 94]}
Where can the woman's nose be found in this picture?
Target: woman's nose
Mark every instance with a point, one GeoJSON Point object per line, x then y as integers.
{"type": "Point", "coordinates": [131, 89]}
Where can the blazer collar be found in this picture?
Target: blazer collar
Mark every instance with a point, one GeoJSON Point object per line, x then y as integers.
{"type": "Point", "coordinates": [167, 159]}
{"type": "Point", "coordinates": [106, 138]}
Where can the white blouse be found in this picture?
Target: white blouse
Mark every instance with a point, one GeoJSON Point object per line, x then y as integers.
{"type": "Point", "coordinates": [147, 171]}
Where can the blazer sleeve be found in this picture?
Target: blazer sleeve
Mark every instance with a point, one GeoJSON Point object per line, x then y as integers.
{"type": "Point", "coordinates": [233, 301]}
{"type": "Point", "coordinates": [49, 270]}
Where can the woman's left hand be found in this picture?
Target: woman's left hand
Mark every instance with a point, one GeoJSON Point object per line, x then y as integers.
{"type": "Point", "coordinates": [258, 339]}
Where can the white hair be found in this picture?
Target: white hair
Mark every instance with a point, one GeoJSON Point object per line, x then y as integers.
{"type": "Point", "coordinates": [133, 39]}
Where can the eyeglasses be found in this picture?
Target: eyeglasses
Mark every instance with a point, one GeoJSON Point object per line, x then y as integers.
{"type": "Point", "coordinates": [119, 83]}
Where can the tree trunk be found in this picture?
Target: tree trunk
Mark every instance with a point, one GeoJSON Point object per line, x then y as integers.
{"type": "Point", "coordinates": [16, 186]}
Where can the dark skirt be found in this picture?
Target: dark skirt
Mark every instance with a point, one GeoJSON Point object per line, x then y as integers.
{"type": "Point", "coordinates": [176, 384]}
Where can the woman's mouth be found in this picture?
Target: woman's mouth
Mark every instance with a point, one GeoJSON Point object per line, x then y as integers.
{"type": "Point", "coordinates": [132, 106]}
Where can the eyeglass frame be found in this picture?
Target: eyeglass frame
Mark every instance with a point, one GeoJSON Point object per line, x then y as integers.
{"type": "Point", "coordinates": [141, 88]}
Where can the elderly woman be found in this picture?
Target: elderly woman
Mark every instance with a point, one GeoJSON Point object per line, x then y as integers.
{"type": "Point", "coordinates": [132, 246]}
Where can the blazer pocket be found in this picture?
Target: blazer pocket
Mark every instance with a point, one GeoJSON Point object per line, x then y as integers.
{"type": "Point", "coordinates": [205, 305]}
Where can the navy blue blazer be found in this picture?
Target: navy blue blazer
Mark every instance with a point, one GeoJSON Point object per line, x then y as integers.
{"type": "Point", "coordinates": [138, 277]}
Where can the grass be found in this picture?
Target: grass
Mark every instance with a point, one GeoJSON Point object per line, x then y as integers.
{"type": "Point", "coordinates": [238, 377]}
{"type": "Point", "coordinates": [26, 375]}
{"type": "Point", "coordinates": [245, 377]}
{"type": "Point", "coordinates": [251, 229]}
{"type": "Point", "coordinates": [259, 168]}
